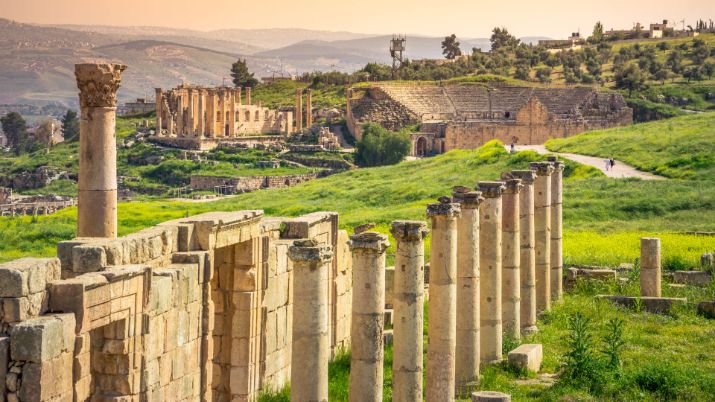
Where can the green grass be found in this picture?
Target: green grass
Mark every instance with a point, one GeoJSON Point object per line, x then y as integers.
{"type": "Point", "coordinates": [683, 147]}
{"type": "Point", "coordinates": [282, 94]}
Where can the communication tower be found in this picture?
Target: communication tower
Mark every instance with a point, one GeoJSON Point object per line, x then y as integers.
{"type": "Point", "coordinates": [397, 48]}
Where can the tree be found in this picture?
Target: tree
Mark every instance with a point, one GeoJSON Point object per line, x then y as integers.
{"type": "Point", "coordinates": [543, 74]}
{"type": "Point", "coordinates": [675, 62]}
{"type": "Point", "coordinates": [15, 129]}
{"type": "Point", "coordinates": [502, 39]}
{"type": "Point", "coordinates": [630, 78]}
{"type": "Point", "coordinates": [241, 76]}
{"type": "Point", "coordinates": [522, 72]}
{"type": "Point", "coordinates": [597, 36]}
{"type": "Point", "coordinates": [450, 47]}
{"type": "Point", "coordinates": [693, 73]}
{"type": "Point", "coordinates": [379, 146]}
{"type": "Point", "coordinates": [709, 69]}
{"type": "Point", "coordinates": [70, 126]}
{"type": "Point", "coordinates": [661, 74]}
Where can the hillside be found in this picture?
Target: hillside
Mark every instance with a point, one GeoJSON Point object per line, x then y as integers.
{"type": "Point", "coordinates": [682, 147]}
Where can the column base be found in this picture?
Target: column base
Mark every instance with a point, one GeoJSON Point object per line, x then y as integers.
{"type": "Point", "coordinates": [526, 331]}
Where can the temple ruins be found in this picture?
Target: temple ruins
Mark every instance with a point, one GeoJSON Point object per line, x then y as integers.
{"type": "Point", "coordinates": [223, 305]}
{"type": "Point", "coordinates": [194, 117]}
{"type": "Point", "coordinates": [454, 116]}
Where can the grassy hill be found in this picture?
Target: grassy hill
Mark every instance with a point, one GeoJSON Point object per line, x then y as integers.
{"type": "Point", "coordinates": [682, 147]}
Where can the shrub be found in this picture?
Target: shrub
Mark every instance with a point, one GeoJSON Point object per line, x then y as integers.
{"type": "Point", "coordinates": [580, 360]}
{"type": "Point", "coordinates": [379, 146]}
{"type": "Point", "coordinates": [662, 379]}
{"type": "Point", "coordinates": [614, 343]}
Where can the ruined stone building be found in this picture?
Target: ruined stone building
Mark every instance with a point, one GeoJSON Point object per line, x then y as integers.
{"type": "Point", "coordinates": [194, 117]}
{"type": "Point", "coordinates": [467, 116]}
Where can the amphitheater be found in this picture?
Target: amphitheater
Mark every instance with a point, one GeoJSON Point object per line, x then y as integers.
{"type": "Point", "coordinates": [465, 116]}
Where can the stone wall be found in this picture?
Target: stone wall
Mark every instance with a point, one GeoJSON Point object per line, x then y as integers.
{"type": "Point", "coordinates": [249, 183]}
{"type": "Point", "coordinates": [194, 309]}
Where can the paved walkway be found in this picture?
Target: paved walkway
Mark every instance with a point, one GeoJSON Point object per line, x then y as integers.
{"type": "Point", "coordinates": [620, 171]}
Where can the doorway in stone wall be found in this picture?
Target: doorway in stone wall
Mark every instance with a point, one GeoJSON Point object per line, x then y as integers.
{"type": "Point", "coordinates": [421, 147]}
{"type": "Point", "coordinates": [111, 364]}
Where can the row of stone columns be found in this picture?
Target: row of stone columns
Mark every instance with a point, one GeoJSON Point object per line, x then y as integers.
{"type": "Point", "coordinates": [490, 266]}
{"type": "Point", "coordinates": [299, 109]}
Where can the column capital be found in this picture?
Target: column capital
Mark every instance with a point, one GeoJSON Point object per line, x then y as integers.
{"type": "Point", "coordinates": [409, 230]}
{"type": "Point", "coordinates": [491, 189]}
{"type": "Point", "coordinates": [466, 198]}
{"type": "Point", "coordinates": [309, 250]}
{"type": "Point", "coordinates": [542, 168]}
{"type": "Point", "coordinates": [98, 83]}
{"type": "Point", "coordinates": [527, 177]}
{"type": "Point", "coordinates": [557, 164]}
{"type": "Point", "coordinates": [445, 207]}
{"type": "Point", "coordinates": [513, 186]}
{"type": "Point", "coordinates": [369, 241]}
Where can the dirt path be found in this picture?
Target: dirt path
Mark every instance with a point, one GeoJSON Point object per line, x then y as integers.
{"type": "Point", "coordinates": [620, 171]}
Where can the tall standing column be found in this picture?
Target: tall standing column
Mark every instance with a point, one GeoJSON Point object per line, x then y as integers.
{"type": "Point", "coordinates": [238, 96]}
{"type": "Point", "coordinates": [650, 267]}
{"type": "Point", "coordinates": [408, 310]}
{"type": "Point", "coordinates": [298, 110]}
{"type": "Point", "coordinates": [490, 271]}
{"type": "Point", "coordinates": [159, 109]}
{"type": "Point", "coordinates": [467, 344]}
{"type": "Point", "coordinates": [97, 211]}
{"type": "Point", "coordinates": [542, 233]}
{"type": "Point", "coordinates": [232, 111]}
{"type": "Point", "coordinates": [192, 114]}
{"type": "Point", "coordinates": [511, 259]}
{"type": "Point", "coordinates": [557, 258]}
{"type": "Point", "coordinates": [527, 263]}
{"type": "Point", "coordinates": [224, 112]}
{"type": "Point", "coordinates": [368, 316]}
{"type": "Point", "coordinates": [201, 132]}
{"type": "Point", "coordinates": [248, 95]}
{"type": "Point", "coordinates": [210, 113]}
{"type": "Point", "coordinates": [311, 347]}
{"type": "Point", "coordinates": [442, 325]}
{"type": "Point", "coordinates": [308, 108]}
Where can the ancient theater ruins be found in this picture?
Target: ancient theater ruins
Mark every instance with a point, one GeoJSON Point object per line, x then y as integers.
{"type": "Point", "coordinates": [465, 116]}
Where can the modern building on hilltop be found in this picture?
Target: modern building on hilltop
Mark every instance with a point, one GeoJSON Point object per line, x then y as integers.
{"type": "Point", "coordinates": [466, 116]}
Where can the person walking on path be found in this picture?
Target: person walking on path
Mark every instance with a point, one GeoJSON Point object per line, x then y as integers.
{"type": "Point", "coordinates": [612, 162]}
{"type": "Point", "coordinates": [607, 162]}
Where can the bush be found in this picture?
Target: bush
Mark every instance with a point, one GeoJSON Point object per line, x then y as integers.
{"type": "Point", "coordinates": [379, 146]}
{"type": "Point", "coordinates": [662, 379]}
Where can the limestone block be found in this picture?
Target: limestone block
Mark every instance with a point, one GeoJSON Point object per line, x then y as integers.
{"type": "Point", "coordinates": [88, 258]}
{"type": "Point", "coordinates": [160, 297]}
{"type": "Point", "coordinates": [47, 380]}
{"type": "Point", "coordinates": [527, 357]}
{"type": "Point", "coordinates": [490, 396]}
{"type": "Point", "coordinates": [657, 305]}
{"type": "Point", "coordinates": [4, 361]}
{"type": "Point", "coordinates": [573, 274]}
{"type": "Point", "coordinates": [37, 340]}
{"type": "Point", "coordinates": [697, 278]}
{"type": "Point", "coordinates": [27, 275]}
{"type": "Point", "coordinates": [64, 252]}
{"type": "Point", "coordinates": [705, 308]}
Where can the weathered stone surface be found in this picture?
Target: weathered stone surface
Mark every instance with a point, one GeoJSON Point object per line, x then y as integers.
{"type": "Point", "coordinates": [490, 396]}
{"type": "Point", "coordinates": [574, 274]}
{"type": "Point", "coordinates": [27, 275]}
{"type": "Point", "coordinates": [707, 309]}
{"type": "Point", "coordinates": [698, 278]}
{"type": "Point", "coordinates": [37, 340]}
{"type": "Point", "coordinates": [527, 357]}
{"type": "Point", "coordinates": [658, 305]}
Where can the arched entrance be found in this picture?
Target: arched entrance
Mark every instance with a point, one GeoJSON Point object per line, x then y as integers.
{"type": "Point", "coordinates": [421, 147]}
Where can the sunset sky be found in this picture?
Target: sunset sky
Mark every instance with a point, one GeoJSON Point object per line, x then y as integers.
{"type": "Point", "coordinates": [466, 18]}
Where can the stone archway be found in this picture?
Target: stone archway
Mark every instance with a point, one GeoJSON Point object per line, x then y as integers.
{"type": "Point", "coordinates": [421, 147]}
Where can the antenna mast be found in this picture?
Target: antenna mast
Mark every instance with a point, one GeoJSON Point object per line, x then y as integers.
{"type": "Point", "coordinates": [397, 48]}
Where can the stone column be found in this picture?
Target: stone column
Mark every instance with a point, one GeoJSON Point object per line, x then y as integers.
{"type": "Point", "coordinates": [238, 96]}
{"type": "Point", "coordinates": [298, 110]}
{"type": "Point", "coordinates": [311, 347]}
{"type": "Point", "coordinates": [248, 95]}
{"type": "Point", "coordinates": [650, 267]}
{"type": "Point", "coordinates": [232, 116]}
{"type": "Point", "coordinates": [192, 114]}
{"type": "Point", "coordinates": [442, 325]}
{"type": "Point", "coordinates": [224, 111]}
{"type": "Point", "coordinates": [180, 114]}
{"type": "Point", "coordinates": [201, 132]}
{"type": "Point", "coordinates": [97, 211]}
{"type": "Point", "coordinates": [368, 317]}
{"type": "Point", "coordinates": [408, 310]}
{"type": "Point", "coordinates": [210, 113]}
{"type": "Point", "coordinates": [490, 271]}
{"type": "Point", "coordinates": [511, 259]}
{"type": "Point", "coordinates": [557, 258]}
{"type": "Point", "coordinates": [527, 263]}
{"type": "Point", "coordinates": [467, 344]}
{"type": "Point", "coordinates": [542, 233]}
{"type": "Point", "coordinates": [308, 109]}
{"type": "Point", "coordinates": [159, 109]}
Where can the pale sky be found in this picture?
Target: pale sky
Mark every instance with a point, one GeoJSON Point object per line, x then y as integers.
{"type": "Point", "coordinates": [466, 18]}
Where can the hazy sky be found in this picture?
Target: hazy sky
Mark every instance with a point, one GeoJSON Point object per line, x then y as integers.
{"type": "Point", "coordinates": [466, 18]}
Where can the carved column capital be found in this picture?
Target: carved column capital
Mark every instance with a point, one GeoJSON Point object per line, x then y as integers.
{"type": "Point", "coordinates": [466, 198]}
{"type": "Point", "coordinates": [527, 177]}
{"type": "Point", "coordinates": [409, 230]}
{"type": "Point", "coordinates": [369, 241]}
{"type": "Point", "coordinates": [98, 83]}
{"type": "Point", "coordinates": [491, 189]}
{"type": "Point", "coordinates": [542, 168]}
{"type": "Point", "coordinates": [309, 250]}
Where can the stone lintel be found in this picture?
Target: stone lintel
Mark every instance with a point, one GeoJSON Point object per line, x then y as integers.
{"type": "Point", "coordinates": [467, 198]}
{"type": "Point", "coordinates": [369, 241]}
{"type": "Point", "coordinates": [309, 250]}
{"type": "Point", "coordinates": [491, 189]}
{"type": "Point", "coordinates": [98, 83]}
{"type": "Point", "coordinates": [513, 186]}
{"type": "Point", "coordinates": [527, 177]}
{"type": "Point", "coordinates": [409, 230]}
{"type": "Point", "coordinates": [542, 168]}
